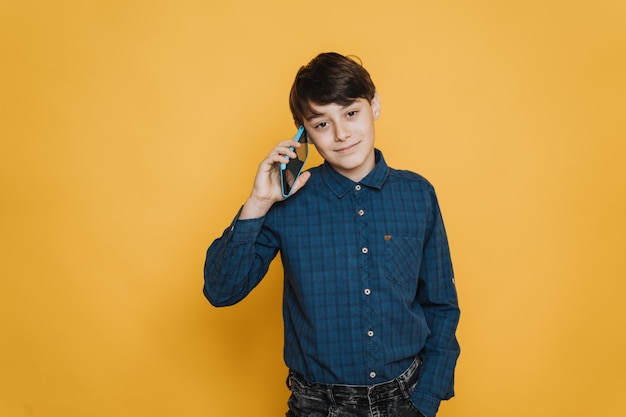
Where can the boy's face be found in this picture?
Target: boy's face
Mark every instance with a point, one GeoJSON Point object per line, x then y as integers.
{"type": "Point", "coordinates": [344, 135]}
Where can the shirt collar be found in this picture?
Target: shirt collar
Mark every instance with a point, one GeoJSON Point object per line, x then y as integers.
{"type": "Point", "coordinates": [340, 185]}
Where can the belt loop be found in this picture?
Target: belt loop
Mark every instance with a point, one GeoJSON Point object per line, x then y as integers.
{"type": "Point", "coordinates": [411, 372]}
{"type": "Point", "coordinates": [404, 380]}
{"type": "Point", "coordinates": [331, 397]}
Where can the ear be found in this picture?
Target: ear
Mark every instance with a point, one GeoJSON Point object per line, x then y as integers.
{"type": "Point", "coordinates": [376, 105]}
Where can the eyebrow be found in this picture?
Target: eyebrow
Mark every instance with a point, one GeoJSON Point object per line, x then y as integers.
{"type": "Point", "coordinates": [314, 115]}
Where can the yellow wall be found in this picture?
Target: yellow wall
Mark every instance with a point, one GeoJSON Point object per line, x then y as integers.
{"type": "Point", "coordinates": [130, 133]}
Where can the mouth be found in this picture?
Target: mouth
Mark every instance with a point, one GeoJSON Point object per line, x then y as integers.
{"type": "Point", "coordinates": [347, 149]}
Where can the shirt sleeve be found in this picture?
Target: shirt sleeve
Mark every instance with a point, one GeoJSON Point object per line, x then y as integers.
{"type": "Point", "coordinates": [237, 261]}
{"type": "Point", "coordinates": [438, 298]}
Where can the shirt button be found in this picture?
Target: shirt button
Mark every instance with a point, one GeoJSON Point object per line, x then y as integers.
{"type": "Point", "coordinates": [370, 333]}
{"type": "Point", "coordinates": [372, 374]}
{"type": "Point", "coordinates": [364, 250]}
{"type": "Point", "coordinates": [358, 187]}
{"type": "Point", "coordinates": [367, 291]}
{"type": "Point", "coordinates": [361, 212]}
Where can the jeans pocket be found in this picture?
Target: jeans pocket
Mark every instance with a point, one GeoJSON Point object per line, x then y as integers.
{"type": "Point", "coordinates": [307, 404]}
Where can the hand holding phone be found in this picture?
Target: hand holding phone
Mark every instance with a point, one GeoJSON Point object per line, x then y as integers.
{"type": "Point", "coordinates": [290, 171]}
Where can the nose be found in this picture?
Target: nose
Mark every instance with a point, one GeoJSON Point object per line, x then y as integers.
{"type": "Point", "coordinates": [341, 132]}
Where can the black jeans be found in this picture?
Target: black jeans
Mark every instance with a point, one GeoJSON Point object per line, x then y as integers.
{"type": "Point", "coordinates": [389, 399]}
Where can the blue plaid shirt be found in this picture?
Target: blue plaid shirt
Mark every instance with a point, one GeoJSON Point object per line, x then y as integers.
{"type": "Point", "coordinates": [368, 280]}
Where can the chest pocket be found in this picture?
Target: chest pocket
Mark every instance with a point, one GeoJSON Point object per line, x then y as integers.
{"type": "Point", "coordinates": [403, 258]}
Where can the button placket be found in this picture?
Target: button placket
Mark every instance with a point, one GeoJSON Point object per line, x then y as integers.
{"type": "Point", "coordinates": [360, 199]}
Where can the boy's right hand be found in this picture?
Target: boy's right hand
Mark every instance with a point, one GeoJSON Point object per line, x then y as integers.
{"type": "Point", "coordinates": [266, 190]}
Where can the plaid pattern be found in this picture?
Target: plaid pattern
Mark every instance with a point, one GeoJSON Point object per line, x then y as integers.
{"type": "Point", "coordinates": [368, 280]}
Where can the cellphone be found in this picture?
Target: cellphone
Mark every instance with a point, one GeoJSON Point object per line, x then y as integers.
{"type": "Point", "coordinates": [290, 171]}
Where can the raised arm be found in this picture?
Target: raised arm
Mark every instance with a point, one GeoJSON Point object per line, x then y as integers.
{"type": "Point", "coordinates": [237, 261]}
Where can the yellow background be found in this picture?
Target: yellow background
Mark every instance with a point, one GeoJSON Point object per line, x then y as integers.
{"type": "Point", "coordinates": [130, 133]}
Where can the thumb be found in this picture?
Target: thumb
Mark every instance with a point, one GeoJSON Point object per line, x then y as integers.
{"type": "Point", "coordinates": [301, 181]}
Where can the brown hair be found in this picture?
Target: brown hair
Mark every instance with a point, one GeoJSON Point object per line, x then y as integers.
{"type": "Point", "coordinates": [328, 78]}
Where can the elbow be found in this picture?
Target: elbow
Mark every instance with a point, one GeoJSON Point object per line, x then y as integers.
{"type": "Point", "coordinates": [214, 299]}
{"type": "Point", "coordinates": [216, 294]}
{"type": "Point", "coordinates": [224, 288]}
{"type": "Point", "coordinates": [219, 299]}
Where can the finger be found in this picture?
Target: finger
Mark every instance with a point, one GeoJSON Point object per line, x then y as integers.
{"type": "Point", "coordinates": [279, 155]}
{"type": "Point", "coordinates": [282, 155]}
{"type": "Point", "coordinates": [289, 150]}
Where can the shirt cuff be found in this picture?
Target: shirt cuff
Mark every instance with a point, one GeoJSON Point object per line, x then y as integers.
{"type": "Point", "coordinates": [426, 403]}
{"type": "Point", "coordinates": [244, 231]}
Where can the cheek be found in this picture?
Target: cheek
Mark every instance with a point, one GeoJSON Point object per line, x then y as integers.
{"type": "Point", "coordinates": [320, 141]}
{"type": "Point", "coordinates": [320, 150]}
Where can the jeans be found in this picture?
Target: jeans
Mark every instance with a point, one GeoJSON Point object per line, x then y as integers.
{"type": "Point", "coordinates": [389, 399]}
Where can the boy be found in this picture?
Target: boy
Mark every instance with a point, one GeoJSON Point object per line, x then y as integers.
{"type": "Point", "coordinates": [370, 308]}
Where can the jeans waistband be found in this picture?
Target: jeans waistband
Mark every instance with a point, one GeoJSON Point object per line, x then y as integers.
{"type": "Point", "coordinates": [381, 391]}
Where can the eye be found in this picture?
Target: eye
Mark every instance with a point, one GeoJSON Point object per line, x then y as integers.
{"type": "Point", "coordinates": [321, 125]}
{"type": "Point", "coordinates": [351, 113]}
